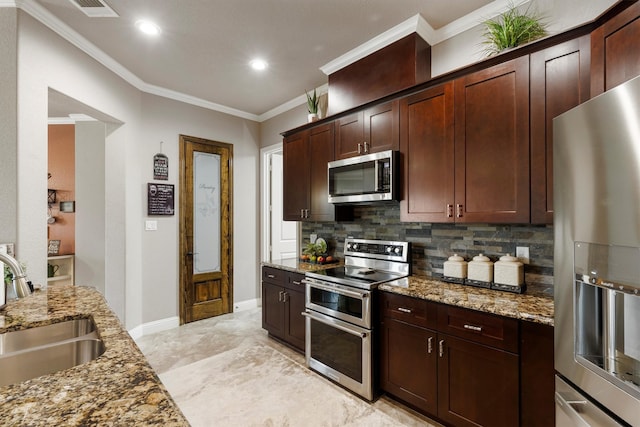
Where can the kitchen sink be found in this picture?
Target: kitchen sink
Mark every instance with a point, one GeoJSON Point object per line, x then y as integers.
{"type": "Point", "coordinates": [42, 350]}
{"type": "Point", "coordinates": [42, 335]}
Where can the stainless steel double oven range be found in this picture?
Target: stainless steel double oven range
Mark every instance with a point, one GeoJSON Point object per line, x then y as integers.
{"type": "Point", "coordinates": [340, 311]}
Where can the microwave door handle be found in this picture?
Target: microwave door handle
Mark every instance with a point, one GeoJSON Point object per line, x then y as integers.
{"type": "Point", "coordinates": [376, 173]}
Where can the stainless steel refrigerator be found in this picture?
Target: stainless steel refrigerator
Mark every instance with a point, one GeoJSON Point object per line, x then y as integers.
{"type": "Point", "coordinates": [597, 260]}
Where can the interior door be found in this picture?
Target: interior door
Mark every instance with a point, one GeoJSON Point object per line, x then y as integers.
{"type": "Point", "coordinates": [206, 240]}
{"type": "Point", "coordinates": [284, 234]}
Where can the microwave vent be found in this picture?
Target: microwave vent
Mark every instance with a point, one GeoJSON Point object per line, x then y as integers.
{"type": "Point", "coordinates": [95, 8]}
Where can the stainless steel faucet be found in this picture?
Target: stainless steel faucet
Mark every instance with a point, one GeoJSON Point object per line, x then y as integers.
{"type": "Point", "coordinates": [21, 287]}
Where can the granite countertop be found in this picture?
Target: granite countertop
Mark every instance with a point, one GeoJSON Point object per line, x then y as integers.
{"type": "Point", "coordinates": [118, 388]}
{"type": "Point", "coordinates": [296, 266]}
{"type": "Point", "coordinates": [535, 305]}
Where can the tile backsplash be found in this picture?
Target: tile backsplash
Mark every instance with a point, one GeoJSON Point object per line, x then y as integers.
{"type": "Point", "coordinates": [432, 244]}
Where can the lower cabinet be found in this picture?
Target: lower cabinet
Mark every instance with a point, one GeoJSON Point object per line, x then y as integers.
{"type": "Point", "coordinates": [461, 366]}
{"type": "Point", "coordinates": [282, 305]}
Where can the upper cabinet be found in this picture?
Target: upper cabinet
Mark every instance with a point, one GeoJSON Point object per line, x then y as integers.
{"type": "Point", "coordinates": [492, 144]}
{"type": "Point", "coordinates": [305, 191]}
{"type": "Point", "coordinates": [427, 149]}
{"type": "Point", "coordinates": [559, 82]}
{"type": "Point", "coordinates": [615, 53]}
{"type": "Point", "coordinates": [369, 131]}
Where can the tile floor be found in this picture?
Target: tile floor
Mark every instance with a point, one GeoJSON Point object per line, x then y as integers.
{"type": "Point", "coordinates": [225, 371]}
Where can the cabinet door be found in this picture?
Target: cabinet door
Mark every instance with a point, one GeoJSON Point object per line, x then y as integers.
{"type": "Point", "coordinates": [381, 131]}
{"type": "Point", "coordinates": [349, 136]}
{"type": "Point", "coordinates": [295, 322]}
{"type": "Point", "coordinates": [320, 153]}
{"type": "Point", "coordinates": [615, 57]}
{"type": "Point", "coordinates": [492, 144]}
{"type": "Point", "coordinates": [477, 385]}
{"type": "Point", "coordinates": [427, 149]}
{"type": "Point", "coordinates": [409, 364]}
{"type": "Point", "coordinates": [273, 309]}
{"type": "Point", "coordinates": [559, 82]}
{"type": "Point", "coordinates": [296, 177]}
{"type": "Point", "coordinates": [537, 386]}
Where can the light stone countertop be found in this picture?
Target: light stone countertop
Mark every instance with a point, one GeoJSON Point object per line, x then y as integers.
{"type": "Point", "coordinates": [119, 388]}
{"type": "Point", "coordinates": [534, 305]}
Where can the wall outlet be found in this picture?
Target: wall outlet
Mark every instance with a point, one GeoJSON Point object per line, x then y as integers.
{"type": "Point", "coordinates": [522, 253]}
{"type": "Point", "coordinates": [313, 238]}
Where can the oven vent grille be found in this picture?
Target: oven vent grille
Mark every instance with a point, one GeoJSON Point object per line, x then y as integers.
{"type": "Point", "coordinates": [95, 8]}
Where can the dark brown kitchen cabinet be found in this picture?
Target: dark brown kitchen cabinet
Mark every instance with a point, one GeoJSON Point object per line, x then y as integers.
{"type": "Point", "coordinates": [458, 365]}
{"type": "Point", "coordinates": [369, 131]}
{"type": "Point", "coordinates": [615, 50]}
{"type": "Point", "coordinates": [537, 386]}
{"type": "Point", "coordinates": [282, 304]}
{"type": "Point", "coordinates": [305, 191]}
{"type": "Point", "coordinates": [559, 82]}
{"type": "Point", "coordinates": [492, 144]}
{"type": "Point", "coordinates": [427, 149]}
{"type": "Point", "coordinates": [408, 360]}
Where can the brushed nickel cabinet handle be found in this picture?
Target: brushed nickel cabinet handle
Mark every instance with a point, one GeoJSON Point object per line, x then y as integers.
{"type": "Point", "coordinates": [359, 148]}
{"type": "Point", "coordinates": [404, 310]}
{"type": "Point", "coordinates": [301, 213]}
{"type": "Point", "coordinates": [441, 348]}
{"type": "Point", "coordinates": [280, 296]}
{"type": "Point", "coordinates": [366, 147]}
{"type": "Point", "coordinates": [473, 328]}
{"type": "Point", "coordinates": [449, 210]}
{"type": "Point", "coordinates": [459, 208]}
{"type": "Point", "coordinates": [430, 345]}
{"type": "Point", "coordinates": [271, 276]}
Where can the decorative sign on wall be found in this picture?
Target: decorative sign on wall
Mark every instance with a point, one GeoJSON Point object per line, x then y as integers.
{"type": "Point", "coordinates": [160, 200]}
{"type": "Point", "coordinates": [160, 167]}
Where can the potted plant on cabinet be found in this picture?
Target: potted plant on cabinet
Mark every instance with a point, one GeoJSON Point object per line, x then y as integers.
{"type": "Point", "coordinates": [512, 28]}
{"type": "Point", "coordinates": [312, 106]}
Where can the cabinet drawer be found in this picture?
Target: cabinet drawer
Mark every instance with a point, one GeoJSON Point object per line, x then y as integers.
{"type": "Point", "coordinates": [414, 311]}
{"type": "Point", "coordinates": [294, 281]}
{"type": "Point", "coordinates": [489, 329]}
{"type": "Point", "coordinates": [273, 275]}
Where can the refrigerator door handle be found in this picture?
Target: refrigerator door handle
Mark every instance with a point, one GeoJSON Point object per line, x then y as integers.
{"type": "Point", "coordinates": [569, 410]}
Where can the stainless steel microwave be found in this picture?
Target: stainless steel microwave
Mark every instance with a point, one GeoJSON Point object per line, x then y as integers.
{"type": "Point", "coordinates": [363, 179]}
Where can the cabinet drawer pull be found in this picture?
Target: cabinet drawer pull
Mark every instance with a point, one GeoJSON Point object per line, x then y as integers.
{"type": "Point", "coordinates": [285, 295]}
{"type": "Point", "coordinates": [271, 276]}
{"type": "Point", "coordinates": [295, 283]}
{"type": "Point", "coordinates": [449, 210]}
{"type": "Point", "coordinates": [441, 348]}
{"type": "Point", "coordinates": [430, 345]}
{"type": "Point", "coordinates": [459, 208]}
{"type": "Point", "coordinates": [473, 328]}
{"type": "Point", "coordinates": [404, 310]}
{"type": "Point", "coordinates": [280, 296]}
{"type": "Point", "coordinates": [366, 147]}
{"type": "Point", "coordinates": [359, 148]}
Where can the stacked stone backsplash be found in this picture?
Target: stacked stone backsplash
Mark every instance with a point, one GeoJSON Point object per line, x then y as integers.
{"type": "Point", "coordinates": [432, 244]}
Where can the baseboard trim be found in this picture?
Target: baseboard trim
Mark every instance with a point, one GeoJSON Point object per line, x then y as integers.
{"type": "Point", "coordinates": [155, 326]}
{"type": "Point", "coordinates": [247, 304]}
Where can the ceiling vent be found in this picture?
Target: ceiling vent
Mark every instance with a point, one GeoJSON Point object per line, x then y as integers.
{"type": "Point", "coordinates": [95, 8]}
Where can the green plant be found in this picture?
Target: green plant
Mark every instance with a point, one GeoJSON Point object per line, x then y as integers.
{"type": "Point", "coordinates": [512, 28]}
{"type": "Point", "coordinates": [312, 103]}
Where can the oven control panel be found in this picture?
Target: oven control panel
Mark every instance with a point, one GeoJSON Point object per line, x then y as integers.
{"type": "Point", "coordinates": [381, 249]}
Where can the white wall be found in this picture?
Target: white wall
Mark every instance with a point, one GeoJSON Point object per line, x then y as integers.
{"type": "Point", "coordinates": [141, 268]}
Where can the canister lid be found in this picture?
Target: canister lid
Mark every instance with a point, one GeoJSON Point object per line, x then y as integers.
{"type": "Point", "coordinates": [455, 258]}
{"type": "Point", "coordinates": [508, 258]}
{"type": "Point", "coordinates": [481, 258]}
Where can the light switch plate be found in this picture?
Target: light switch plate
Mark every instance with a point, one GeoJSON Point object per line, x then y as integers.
{"type": "Point", "coordinates": [522, 253]}
{"type": "Point", "coordinates": [151, 225]}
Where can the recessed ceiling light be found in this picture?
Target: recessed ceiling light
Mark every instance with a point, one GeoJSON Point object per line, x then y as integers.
{"type": "Point", "coordinates": [148, 27]}
{"type": "Point", "coordinates": [258, 64]}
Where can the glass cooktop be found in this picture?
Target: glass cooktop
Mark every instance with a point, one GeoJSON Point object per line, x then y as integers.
{"type": "Point", "coordinates": [359, 277]}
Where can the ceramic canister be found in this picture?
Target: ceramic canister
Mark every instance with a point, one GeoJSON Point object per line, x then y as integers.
{"type": "Point", "coordinates": [455, 267]}
{"type": "Point", "coordinates": [480, 269]}
{"type": "Point", "coordinates": [508, 271]}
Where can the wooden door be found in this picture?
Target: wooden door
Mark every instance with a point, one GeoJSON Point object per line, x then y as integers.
{"type": "Point", "coordinates": [381, 127]}
{"type": "Point", "coordinates": [320, 153]}
{"type": "Point", "coordinates": [408, 364]}
{"type": "Point", "coordinates": [427, 148]}
{"type": "Point", "coordinates": [206, 239]}
{"type": "Point", "coordinates": [477, 385]}
{"type": "Point", "coordinates": [615, 56]}
{"type": "Point", "coordinates": [492, 144]}
{"type": "Point", "coordinates": [349, 136]}
{"type": "Point", "coordinates": [559, 82]}
{"type": "Point", "coordinates": [296, 177]}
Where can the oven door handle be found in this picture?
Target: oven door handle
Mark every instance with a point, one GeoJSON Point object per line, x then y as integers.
{"type": "Point", "coordinates": [334, 325]}
{"type": "Point", "coordinates": [337, 290]}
